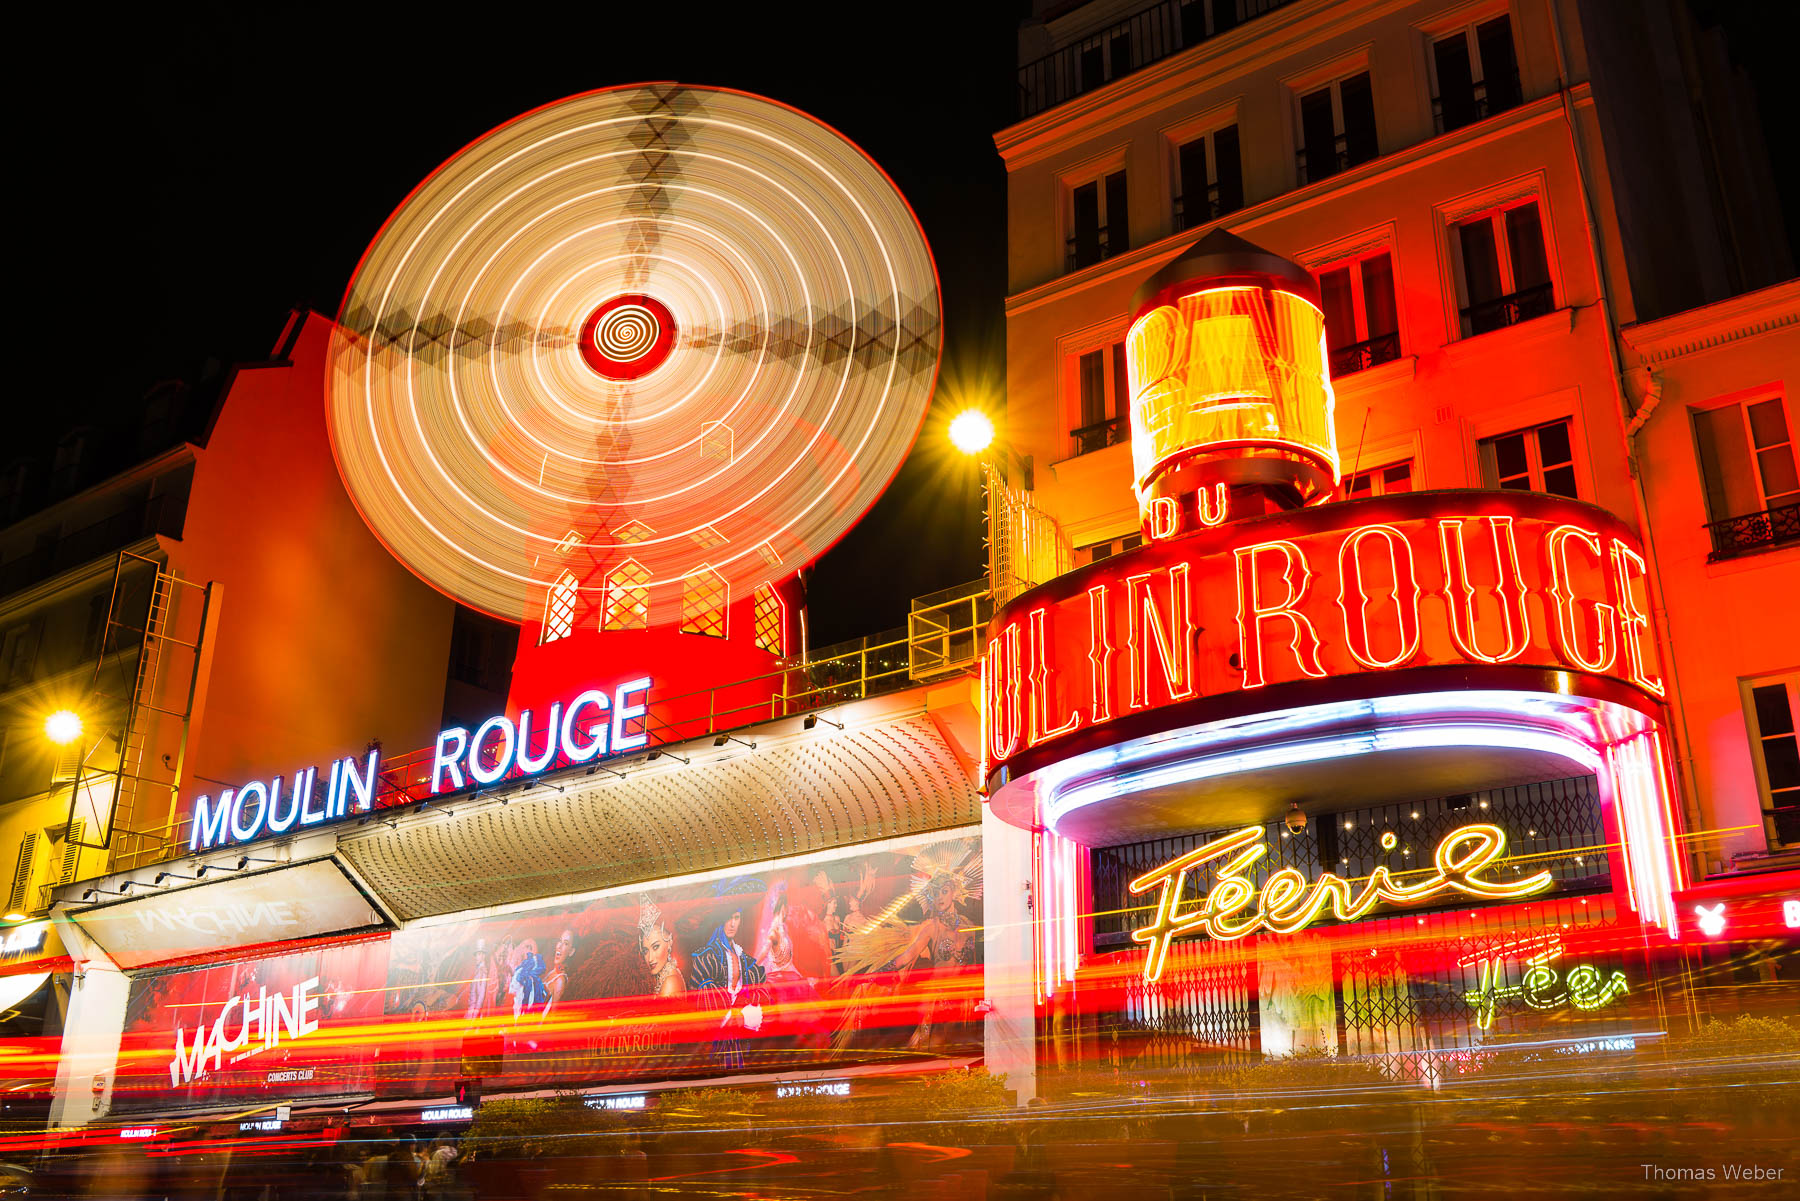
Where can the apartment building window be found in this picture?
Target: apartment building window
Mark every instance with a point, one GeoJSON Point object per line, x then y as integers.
{"type": "Point", "coordinates": [1097, 551]}
{"type": "Point", "coordinates": [1747, 465]}
{"type": "Point", "coordinates": [1201, 19]}
{"type": "Point", "coordinates": [93, 640]}
{"type": "Point", "coordinates": [1379, 481]}
{"type": "Point", "coordinates": [1541, 459]}
{"type": "Point", "coordinates": [14, 481]}
{"type": "Point", "coordinates": [1103, 399]}
{"type": "Point", "coordinates": [1773, 704]}
{"type": "Point", "coordinates": [1503, 269]}
{"type": "Point", "coordinates": [1105, 57]}
{"type": "Point", "coordinates": [18, 652]}
{"type": "Point", "coordinates": [1209, 178]}
{"type": "Point", "coordinates": [1474, 74]}
{"type": "Point", "coordinates": [1098, 220]}
{"type": "Point", "coordinates": [1362, 326]}
{"type": "Point", "coordinates": [1337, 128]}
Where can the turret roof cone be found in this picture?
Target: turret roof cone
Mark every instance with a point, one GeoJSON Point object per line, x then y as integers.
{"type": "Point", "coordinates": [1224, 257]}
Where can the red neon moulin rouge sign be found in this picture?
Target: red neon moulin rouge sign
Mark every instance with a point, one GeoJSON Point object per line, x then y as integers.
{"type": "Point", "coordinates": [1428, 579]}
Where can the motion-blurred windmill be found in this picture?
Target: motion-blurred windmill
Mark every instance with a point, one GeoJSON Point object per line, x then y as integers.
{"type": "Point", "coordinates": [625, 365]}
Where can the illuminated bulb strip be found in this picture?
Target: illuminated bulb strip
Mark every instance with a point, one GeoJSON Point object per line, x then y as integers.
{"type": "Point", "coordinates": [1058, 920]}
{"type": "Point", "coordinates": [1647, 829]}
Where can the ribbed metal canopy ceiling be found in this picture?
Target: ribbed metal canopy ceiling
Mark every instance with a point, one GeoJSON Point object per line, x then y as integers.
{"type": "Point", "coordinates": [728, 805]}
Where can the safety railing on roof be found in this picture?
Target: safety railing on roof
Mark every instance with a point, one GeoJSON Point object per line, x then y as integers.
{"type": "Point", "coordinates": [943, 639]}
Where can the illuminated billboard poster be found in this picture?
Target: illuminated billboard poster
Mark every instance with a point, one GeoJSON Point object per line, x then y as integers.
{"type": "Point", "coordinates": [299, 1025]}
{"type": "Point", "coordinates": [1444, 579]}
{"type": "Point", "coordinates": [303, 900]}
{"type": "Point", "coordinates": [874, 952]}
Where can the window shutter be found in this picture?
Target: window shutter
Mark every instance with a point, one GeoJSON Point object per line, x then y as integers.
{"type": "Point", "coordinates": [23, 872]}
{"type": "Point", "coordinates": [67, 762]}
{"type": "Point", "coordinates": [71, 859]}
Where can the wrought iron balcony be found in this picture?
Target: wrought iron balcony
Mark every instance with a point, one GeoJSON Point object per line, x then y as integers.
{"type": "Point", "coordinates": [1145, 37]}
{"type": "Point", "coordinates": [1510, 309]}
{"type": "Point", "coordinates": [1322, 162]}
{"type": "Point", "coordinates": [1483, 101]}
{"type": "Point", "coordinates": [1086, 251]}
{"type": "Point", "coordinates": [1201, 209]}
{"type": "Point", "coordinates": [1754, 531]}
{"type": "Point", "coordinates": [1360, 356]}
{"type": "Point", "coordinates": [1100, 435]}
{"type": "Point", "coordinates": [1786, 820]}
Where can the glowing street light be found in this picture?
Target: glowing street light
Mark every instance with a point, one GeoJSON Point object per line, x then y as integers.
{"type": "Point", "coordinates": [63, 727]}
{"type": "Point", "coordinates": [971, 432]}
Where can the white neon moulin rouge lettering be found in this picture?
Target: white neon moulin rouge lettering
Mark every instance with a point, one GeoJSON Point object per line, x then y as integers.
{"type": "Point", "coordinates": [583, 732]}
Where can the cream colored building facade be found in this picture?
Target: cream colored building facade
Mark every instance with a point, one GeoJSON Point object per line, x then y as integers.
{"type": "Point", "coordinates": [1495, 363]}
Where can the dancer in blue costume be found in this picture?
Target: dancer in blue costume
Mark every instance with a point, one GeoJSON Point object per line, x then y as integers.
{"type": "Point", "coordinates": [730, 982]}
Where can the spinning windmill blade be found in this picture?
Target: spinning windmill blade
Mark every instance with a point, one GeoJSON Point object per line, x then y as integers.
{"type": "Point", "coordinates": [684, 327]}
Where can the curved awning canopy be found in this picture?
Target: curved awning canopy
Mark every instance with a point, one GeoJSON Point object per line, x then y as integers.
{"type": "Point", "coordinates": [789, 794]}
{"type": "Point", "coordinates": [887, 767]}
{"type": "Point", "coordinates": [1327, 757]}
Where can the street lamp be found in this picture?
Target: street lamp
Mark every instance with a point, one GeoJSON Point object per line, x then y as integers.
{"type": "Point", "coordinates": [63, 727]}
{"type": "Point", "coordinates": [971, 432]}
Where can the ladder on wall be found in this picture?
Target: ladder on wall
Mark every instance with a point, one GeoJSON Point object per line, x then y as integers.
{"type": "Point", "coordinates": [153, 649]}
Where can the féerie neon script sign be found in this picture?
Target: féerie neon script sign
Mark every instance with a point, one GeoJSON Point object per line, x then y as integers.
{"type": "Point", "coordinates": [1288, 902]}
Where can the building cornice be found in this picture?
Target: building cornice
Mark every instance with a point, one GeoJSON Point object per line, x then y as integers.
{"type": "Point", "coordinates": [1724, 321]}
{"type": "Point", "coordinates": [171, 460]}
{"type": "Point", "coordinates": [1252, 46]}
{"type": "Point", "coordinates": [83, 575]}
{"type": "Point", "coordinates": [1370, 174]}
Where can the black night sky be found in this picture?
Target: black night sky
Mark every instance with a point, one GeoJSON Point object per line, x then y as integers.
{"type": "Point", "coordinates": [206, 169]}
{"type": "Point", "coordinates": [191, 172]}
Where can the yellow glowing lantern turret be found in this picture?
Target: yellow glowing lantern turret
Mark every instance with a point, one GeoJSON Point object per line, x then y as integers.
{"type": "Point", "coordinates": [1230, 387]}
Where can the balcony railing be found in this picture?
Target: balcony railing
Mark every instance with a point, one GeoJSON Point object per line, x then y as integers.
{"type": "Point", "coordinates": [1198, 210]}
{"type": "Point", "coordinates": [1322, 162]}
{"type": "Point", "coordinates": [1100, 435]}
{"type": "Point", "coordinates": [1482, 102]}
{"type": "Point", "coordinates": [945, 639]}
{"type": "Point", "coordinates": [1145, 37]}
{"type": "Point", "coordinates": [1085, 251]}
{"type": "Point", "coordinates": [1786, 822]}
{"type": "Point", "coordinates": [1360, 356]}
{"type": "Point", "coordinates": [1754, 531]}
{"type": "Point", "coordinates": [1510, 309]}
{"type": "Point", "coordinates": [159, 514]}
